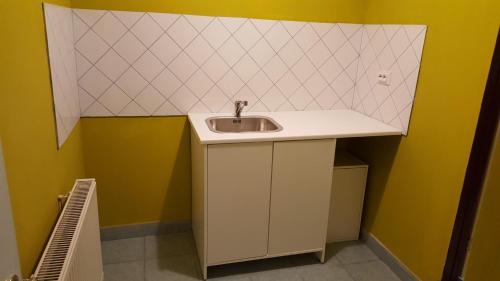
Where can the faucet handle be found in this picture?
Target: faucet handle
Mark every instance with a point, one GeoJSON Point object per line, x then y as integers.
{"type": "Point", "coordinates": [241, 102]}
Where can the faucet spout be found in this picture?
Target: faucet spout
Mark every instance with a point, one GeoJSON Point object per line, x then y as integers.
{"type": "Point", "coordinates": [238, 107]}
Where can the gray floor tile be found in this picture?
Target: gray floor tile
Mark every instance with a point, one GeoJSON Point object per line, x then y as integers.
{"type": "Point", "coordinates": [324, 272]}
{"type": "Point", "coordinates": [123, 250]}
{"type": "Point", "coordinates": [173, 257]}
{"type": "Point", "coordinates": [371, 271]}
{"type": "Point", "coordinates": [350, 252]}
{"type": "Point", "coordinates": [178, 268]}
{"type": "Point", "coordinates": [170, 245]}
{"type": "Point", "coordinates": [284, 274]}
{"type": "Point", "coordinates": [312, 259]}
{"type": "Point", "coordinates": [260, 270]}
{"type": "Point", "coordinates": [236, 277]}
{"type": "Point", "coordinates": [129, 271]}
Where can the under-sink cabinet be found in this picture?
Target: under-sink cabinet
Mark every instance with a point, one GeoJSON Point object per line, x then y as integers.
{"type": "Point", "coordinates": [258, 200]}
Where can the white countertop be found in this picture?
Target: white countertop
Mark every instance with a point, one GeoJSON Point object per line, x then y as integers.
{"type": "Point", "coordinates": [298, 125]}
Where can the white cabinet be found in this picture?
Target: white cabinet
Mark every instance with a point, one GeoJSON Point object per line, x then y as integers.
{"type": "Point", "coordinates": [260, 200]}
{"type": "Point", "coordinates": [348, 190]}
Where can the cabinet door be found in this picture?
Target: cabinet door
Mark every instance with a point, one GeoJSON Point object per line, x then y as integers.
{"type": "Point", "coordinates": [300, 195]}
{"type": "Point", "coordinates": [239, 182]}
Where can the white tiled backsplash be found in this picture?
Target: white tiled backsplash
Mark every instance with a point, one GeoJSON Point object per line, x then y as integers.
{"type": "Point", "coordinates": [142, 64]}
{"type": "Point", "coordinates": [398, 50]}
{"type": "Point", "coordinates": [62, 66]}
{"type": "Point", "coordinates": [167, 64]}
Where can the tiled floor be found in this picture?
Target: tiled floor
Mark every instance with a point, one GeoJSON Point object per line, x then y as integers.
{"type": "Point", "coordinates": [172, 258]}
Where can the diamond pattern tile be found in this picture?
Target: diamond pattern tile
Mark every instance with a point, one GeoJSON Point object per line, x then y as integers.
{"type": "Point", "coordinates": [263, 26]}
{"type": "Point", "coordinates": [230, 84]}
{"type": "Point", "coordinates": [393, 48]}
{"type": "Point", "coordinates": [128, 18]}
{"type": "Point", "coordinates": [215, 99]}
{"type": "Point", "coordinates": [147, 30]}
{"type": "Point", "coordinates": [79, 28]}
{"type": "Point", "coordinates": [183, 99]}
{"type": "Point", "coordinates": [303, 69]}
{"type": "Point", "coordinates": [148, 66]}
{"type": "Point", "coordinates": [183, 67]}
{"type": "Point", "coordinates": [198, 22]}
{"type": "Point", "coordinates": [166, 83]}
{"type": "Point", "coordinates": [246, 68]}
{"type": "Point", "coordinates": [199, 83]}
{"type": "Point", "coordinates": [201, 63]}
{"type": "Point", "coordinates": [300, 99]}
{"type": "Point", "coordinates": [131, 82]}
{"type": "Point", "coordinates": [215, 67]}
{"type": "Point", "coordinates": [273, 99]}
{"type": "Point", "coordinates": [128, 47]}
{"type": "Point", "coordinates": [82, 64]}
{"type": "Point", "coordinates": [291, 53]}
{"type": "Point", "coordinates": [288, 84]}
{"type": "Point", "coordinates": [94, 82]}
{"type": "Point", "coordinates": [231, 51]}
{"type": "Point", "coordinates": [91, 46]}
{"type": "Point", "coordinates": [167, 108]}
{"type": "Point", "coordinates": [89, 16]}
{"type": "Point", "coordinates": [114, 100]}
{"type": "Point", "coordinates": [182, 32]}
{"type": "Point", "coordinates": [277, 36]}
{"type": "Point", "coordinates": [306, 37]}
{"type": "Point", "coordinates": [164, 20]}
{"type": "Point", "coordinates": [109, 28]}
{"type": "Point", "coordinates": [232, 24]}
{"type": "Point", "coordinates": [149, 99]}
{"type": "Point", "coordinates": [262, 52]}
{"type": "Point", "coordinates": [260, 83]}
{"type": "Point", "coordinates": [198, 50]}
{"type": "Point", "coordinates": [165, 49]}
{"type": "Point", "coordinates": [133, 109]}
{"type": "Point", "coordinates": [293, 26]}
{"type": "Point", "coordinates": [247, 35]}
{"type": "Point", "coordinates": [216, 33]}
{"type": "Point", "coordinates": [112, 65]}
{"type": "Point", "coordinates": [318, 54]}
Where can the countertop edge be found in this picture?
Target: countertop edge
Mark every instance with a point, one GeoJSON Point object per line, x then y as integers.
{"type": "Point", "coordinates": [223, 138]}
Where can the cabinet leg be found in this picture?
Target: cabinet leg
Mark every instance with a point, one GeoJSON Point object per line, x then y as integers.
{"type": "Point", "coordinates": [205, 274]}
{"type": "Point", "coordinates": [321, 255]}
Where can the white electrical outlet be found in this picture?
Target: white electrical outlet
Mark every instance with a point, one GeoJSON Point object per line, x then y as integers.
{"type": "Point", "coordinates": [384, 77]}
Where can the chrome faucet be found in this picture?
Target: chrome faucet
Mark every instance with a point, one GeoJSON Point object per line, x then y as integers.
{"type": "Point", "coordinates": [238, 107]}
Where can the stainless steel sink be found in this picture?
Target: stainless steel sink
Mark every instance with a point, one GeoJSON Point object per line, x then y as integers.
{"type": "Point", "coordinates": [246, 124]}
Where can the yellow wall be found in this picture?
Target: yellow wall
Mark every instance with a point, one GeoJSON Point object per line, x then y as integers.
{"type": "Point", "coordinates": [37, 172]}
{"type": "Point", "coordinates": [142, 167]}
{"type": "Point", "coordinates": [415, 184]}
{"type": "Point", "coordinates": [142, 176]}
{"type": "Point", "coordinates": [484, 258]}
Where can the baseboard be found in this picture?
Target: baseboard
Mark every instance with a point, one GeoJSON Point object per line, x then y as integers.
{"type": "Point", "coordinates": [139, 230]}
{"type": "Point", "coordinates": [398, 267]}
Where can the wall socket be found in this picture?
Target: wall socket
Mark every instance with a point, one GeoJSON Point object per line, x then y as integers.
{"type": "Point", "coordinates": [384, 77]}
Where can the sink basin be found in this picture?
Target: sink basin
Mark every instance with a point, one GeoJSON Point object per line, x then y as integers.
{"type": "Point", "coordinates": [246, 124]}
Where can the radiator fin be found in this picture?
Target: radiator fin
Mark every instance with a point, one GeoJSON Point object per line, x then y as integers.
{"type": "Point", "coordinates": [64, 234]}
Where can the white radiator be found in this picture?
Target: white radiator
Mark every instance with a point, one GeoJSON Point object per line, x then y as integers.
{"type": "Point", "coordinates": [73, 252]}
